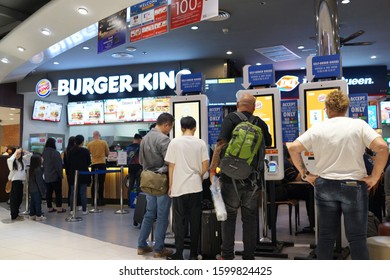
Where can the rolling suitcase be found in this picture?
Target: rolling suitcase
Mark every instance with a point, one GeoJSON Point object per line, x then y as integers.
{"type": "Point", "coordinates": [211, 239]}
{"type": "Point", "coordinates": [140, 209]}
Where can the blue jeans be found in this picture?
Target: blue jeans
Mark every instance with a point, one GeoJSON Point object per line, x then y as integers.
{"type": "Point", "coordinates": [82, 190]}
{"type": "Point", "coordinates": [35, 204]}
{"type": "Point", "coordinates": [334, 198]}
{"type": "Point", "coordinates": [246, 199]}
{"type": "Point", "coordinates": [157, 206]}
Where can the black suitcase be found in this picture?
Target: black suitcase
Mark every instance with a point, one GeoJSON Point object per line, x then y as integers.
{"type": "Point", "coordinates": [140, 209]}
{"type": "Point", "coordinates": [211, 239]}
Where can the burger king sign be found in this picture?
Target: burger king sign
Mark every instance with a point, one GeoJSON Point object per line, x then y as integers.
{"type": "Point", "coordinates": [43, 88]}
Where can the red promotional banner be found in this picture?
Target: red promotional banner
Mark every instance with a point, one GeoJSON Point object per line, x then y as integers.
{"type": "Point", "coordinates": [185, 12]}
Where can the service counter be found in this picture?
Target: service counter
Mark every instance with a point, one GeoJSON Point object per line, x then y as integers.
{"type": "Point", "coordinates": [112, 186]}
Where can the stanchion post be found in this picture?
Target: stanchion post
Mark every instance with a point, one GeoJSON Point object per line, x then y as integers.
{"type": "Point", "coordinates": [121, 211]}
{"type": "Point", "coordinates": [72, 217]}
{"type": "Point", "coordinates": [96, 185]}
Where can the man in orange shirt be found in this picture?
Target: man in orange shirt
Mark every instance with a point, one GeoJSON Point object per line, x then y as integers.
{"type": "Point", "coordinates": [99, 151]}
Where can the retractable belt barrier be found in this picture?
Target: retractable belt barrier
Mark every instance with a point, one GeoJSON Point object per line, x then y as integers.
{"type": "Point", "coordinates": [95, 173]}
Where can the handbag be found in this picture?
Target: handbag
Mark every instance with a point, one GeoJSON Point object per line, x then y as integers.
{"type": "Point", "coordinates": [8, 186]}
{"type": "Point", "coordinates": [154, 183]}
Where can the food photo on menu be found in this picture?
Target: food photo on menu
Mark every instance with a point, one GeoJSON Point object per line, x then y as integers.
{"type": "Point", "coordinates": [153, 107]}
{"type": "Point", "coordinates": [123, 110]}
{"type": "Point", "coordinates": [47, 111]}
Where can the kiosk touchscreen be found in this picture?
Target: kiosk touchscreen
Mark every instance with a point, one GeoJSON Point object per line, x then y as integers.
{"type": "Point", "coordinates": [194, 106]}
{"type": "Point", "coordinates": [312, 107]}
{"type": "Point", "coordinates": [268, 109]}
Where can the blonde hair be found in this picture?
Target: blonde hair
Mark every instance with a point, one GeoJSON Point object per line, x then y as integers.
{"type": "Point", "coordinates": [337, 101]}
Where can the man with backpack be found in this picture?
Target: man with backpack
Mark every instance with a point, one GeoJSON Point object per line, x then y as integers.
{"type": "Point", "coordinates": [241, 147]}
{"type": "Point", "coordinates": [133, 165]}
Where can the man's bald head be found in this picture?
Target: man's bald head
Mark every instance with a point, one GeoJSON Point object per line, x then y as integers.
{"type": "Point", "coordinates": [246, 103]}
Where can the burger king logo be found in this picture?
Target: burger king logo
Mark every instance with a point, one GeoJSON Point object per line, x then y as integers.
{"type": "Point", "coordinates": [287, 83]}
{"type": "Point", "coordinates": [43, 88]}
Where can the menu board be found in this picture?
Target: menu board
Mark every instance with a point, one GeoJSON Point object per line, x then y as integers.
{"type": "Point", "coordinates": [87, 112]}
{"type": "Point", "coordinates": [153, 107]}
{"type": "Point", "coordinates": [47, 111]}
{"type": "Point", "coordinates": [123, 110]}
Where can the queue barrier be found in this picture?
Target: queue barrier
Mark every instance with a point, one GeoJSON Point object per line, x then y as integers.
{"type": "Point", "coordinates": [95, 173]}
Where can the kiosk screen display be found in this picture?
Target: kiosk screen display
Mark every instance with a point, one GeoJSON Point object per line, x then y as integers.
{"type": "Point", "coordinates": [47, 111]}
{"type": "Point", "coordinates": [122, 110]}
{"type": "Point", "coordinates": [184, 109]}
{"type": "Point", "coordinates": [372, 116]}
{"type": "Point", "coordinates": [315, 105]}
{"type": "Point", "coordinates": [265, 110]}
{"type": "Point", "coordinates": [385, 112]}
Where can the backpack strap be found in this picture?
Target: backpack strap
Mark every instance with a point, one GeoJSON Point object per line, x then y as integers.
{"type": "Point", "coordinates": [241, 115]}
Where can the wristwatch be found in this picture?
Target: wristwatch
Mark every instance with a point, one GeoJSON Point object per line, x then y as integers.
{"type": "Point", "coordinates": [305, 174]}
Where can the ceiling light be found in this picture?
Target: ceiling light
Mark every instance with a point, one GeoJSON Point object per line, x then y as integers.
{"type": "Point", "coordinates": [302, 68]}
{"type": "Point", "coordinates": [194, 27]}
{"type": "Point", "coordinates": [373, 57]}
{"type": "Point", "coordinates": [85, 48]}
{"type": "Point", "coordinates": [11, 119]}
{"type": "Point", "coordinates": [301, 47]}
{"type": "Point", "coordinates": [82, 11]}
{"type": "Point", "coordinates": [21, 49]}
{"type": "Point", "coordinates": [4, 60]}
{"type": "Point", "coordinates": [263, 3]}
{"type": "Point", "coordinates": [56, 63]}
{"type": "Point", "coordinates": [229, 52]}
{"type": "Point", "coordinates": [258, 63]}
{"type": "Point", "coordinates": [144, 52]}
{"type": "Point", "coordinates": [222, 15]}
{"type": "Point", "coordinates": [345, 1]}
{"type": "Point", "coordinates": [131, 49]}
{"type": "Point", "coordinates": [122, 55]}
{"type": "Point", "coordinates": [11, 114]}
{"type": "Point", "coordinates": [45, 31]}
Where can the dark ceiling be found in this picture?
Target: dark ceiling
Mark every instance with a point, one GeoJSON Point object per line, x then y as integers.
{"type": "Point", "coordinates": [253, 24]}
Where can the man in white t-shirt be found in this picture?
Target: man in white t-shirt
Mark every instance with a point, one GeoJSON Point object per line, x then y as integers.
{"type": "Point", "coordinates": [341, 181]}
{"type": "Point", "coordinates": [188, 161]}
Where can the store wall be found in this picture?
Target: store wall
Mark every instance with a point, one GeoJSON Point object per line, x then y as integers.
{"type": "Point", "coordinates": [10, 135]}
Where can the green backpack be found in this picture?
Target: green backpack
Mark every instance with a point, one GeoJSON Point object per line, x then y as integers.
{"type": "Point", "coordinates": [245, 150]}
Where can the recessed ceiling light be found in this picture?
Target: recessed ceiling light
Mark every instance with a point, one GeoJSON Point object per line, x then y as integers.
{"type": "Point", "coordinates": [301, 47]}
{"type": "Point", "coordinates": [5, 60]}
{"type": "Point", "coordinates": [131, 49]}
{"type": "Point", "coordinates": [45, 31]}
{"type": "Point", "coordinates": [82, 11]}
{"type": "Point", "coordinates": [21, 49]}
{"type": "Point", "coordinates": [85, 48]}
{"type": "Point", "coordinates": [11, 114]}
{"type": "Point", "coordinates": [194, 27]}
{"type": "Point", "coordinates": [345, 1]}
{"type": "Point", "coordinates": [13, 109]}
{"type": "Point", "coordinates": [373, 57]}
{"type": "Point", "coordinates": [122, 55]}
{"type": "Point", "coordinates": [303, 67]}
{"type": "Point", "coordinates": [229, 52]}
{"type": "Point", "coordinates": [144, 52]}
{"type": "Point", "coordinates": [11, 119]}
{"type": "Point", "coordinates": [56, 63]}
{"type": "Point", "coordinates": [263, 3]}
{"type": "Point", "coordinates": [258, 63]}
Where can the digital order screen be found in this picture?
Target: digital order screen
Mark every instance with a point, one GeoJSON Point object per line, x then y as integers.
{"type": "Point", "coordinates": [265, 110]}
{"type": "Point", "coordinates": [315, 105]}
{"type": "Point", "coordinates": [185, 109]}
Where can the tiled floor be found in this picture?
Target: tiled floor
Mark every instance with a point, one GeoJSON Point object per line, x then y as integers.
{"type": "Point", "coordinates": [104, 236]}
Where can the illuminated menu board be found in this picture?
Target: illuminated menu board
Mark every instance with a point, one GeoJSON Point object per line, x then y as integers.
{"type": "Point", "coordinates": [123, 110]}
{"type": "Point", "coordinates": [86, 112]}
{"type": "Point", "coordinates": [265, 110]}
{"type": "Point", "coordinates": [47, 111]}
{"type": "Point", "coordinates": [153, 107]}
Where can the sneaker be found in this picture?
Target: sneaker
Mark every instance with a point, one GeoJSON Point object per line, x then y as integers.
{"type": "Point", "coordinates": [19, 218]}
{"type": "Point", "coordinates": [86, 212]}
{"type": "Point", "coordinates": [144, 250]}
{"type": "Point", "coordinates": [79, 208]}
{"type": "Point", "coordinates": [164, 253]}
{"type": "Point", "coordinates": [32, 218]}
{"type": "Point", "coordinates": [40, 219]}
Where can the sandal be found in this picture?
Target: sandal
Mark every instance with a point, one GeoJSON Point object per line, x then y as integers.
{"type": "Point", "coordinates": [52, 210]}
{"type": "Point", "coordinates": [61, 211]}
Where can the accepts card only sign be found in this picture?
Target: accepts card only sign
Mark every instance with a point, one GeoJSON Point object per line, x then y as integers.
{"type": "Point", "coordinates": [185, 12]}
